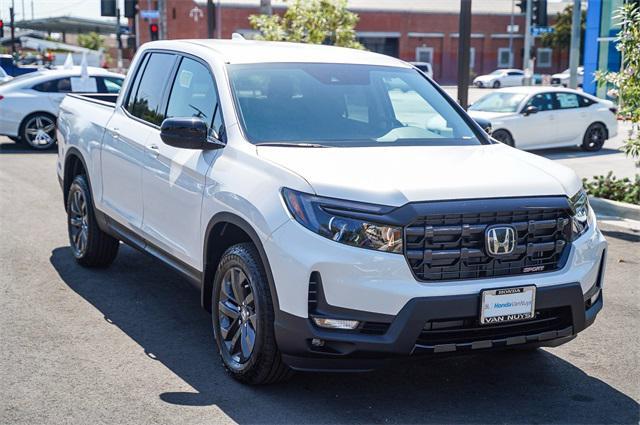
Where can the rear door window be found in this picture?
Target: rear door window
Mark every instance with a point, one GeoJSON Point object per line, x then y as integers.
{"type": "Point", "coordinates": [59, 85]}
{"type": "Point", "coordinates": [109, 85]}
{"type": "Point", "coordinates": [146, 104]}
{"type": "Point", "coordinates": [567, 100]}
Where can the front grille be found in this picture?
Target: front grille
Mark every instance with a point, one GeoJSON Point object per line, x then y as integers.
{"type": "Point", "coordinates": [466, 332]}
{"type": "Point", "coordinates": [452, 246]}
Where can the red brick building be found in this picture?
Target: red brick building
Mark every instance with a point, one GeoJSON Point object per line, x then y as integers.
{"type": "Point", "coordinates": [413, 30]}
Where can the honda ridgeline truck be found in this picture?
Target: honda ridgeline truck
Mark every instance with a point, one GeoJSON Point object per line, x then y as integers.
{"type": "Point", "coordinates": [334, 207]}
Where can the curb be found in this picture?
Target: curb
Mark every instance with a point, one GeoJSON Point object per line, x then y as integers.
{"type": "Point", "coordinates": [607, 208]}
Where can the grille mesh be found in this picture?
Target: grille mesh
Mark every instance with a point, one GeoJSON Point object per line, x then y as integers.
{"type": "Point", "coordinates": [452, 246]}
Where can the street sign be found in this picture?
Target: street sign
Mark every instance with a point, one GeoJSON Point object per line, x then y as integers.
{"type": "Point", "coordinates": [513, 28]}
{"type": "Point", "coordinates": [536, 31]}
{"type": "Point", "coordinates": [150, 14]}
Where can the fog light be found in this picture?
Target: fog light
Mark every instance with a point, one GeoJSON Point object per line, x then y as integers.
{"type": "Point", "coordinates": [317, 342]}
{"type": "Point", "coordinates": [335, 323]}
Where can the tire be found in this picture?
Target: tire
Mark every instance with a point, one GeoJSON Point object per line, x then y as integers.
{"type": "Point", "coordinates": [90, 246]}
{"type": "Point", "coordinates": [594, 137]}
{"type": "Point", "coordinates": [503, 136]}
{"type": "Point", "coordinates": [241, 307]}
{"type": "Point", "coordinates": [496, 84]}
{"type": "Point", "coordinates": [38, 131]}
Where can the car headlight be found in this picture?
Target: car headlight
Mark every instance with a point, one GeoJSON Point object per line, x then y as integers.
{"type": "Point", "coordinates": [579, 204]}
{"type": "Point", "coordinates": [323, 216]}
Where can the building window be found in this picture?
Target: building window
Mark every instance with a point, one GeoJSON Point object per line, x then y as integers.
{"type": "Point", "coordinates": [424, 54]}
{"type": "Point", "coordinates": [505, 58]}
{"type": "Point", "coordinates": [472, 57]}
{"type": "Point", "coordinates": [543, 56]}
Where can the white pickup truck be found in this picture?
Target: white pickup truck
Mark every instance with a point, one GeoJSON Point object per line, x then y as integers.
{"type": "Point", "coordinates": [334, 207]}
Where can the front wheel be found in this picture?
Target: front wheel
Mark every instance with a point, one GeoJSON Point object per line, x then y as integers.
{"type": "Point", "coordinates": [496, 84]}
{"type": "Point", "coordinates": [594, 137]}
{"type": "Point", "coordinates": [243, 317]}
{"type": "Point", "coordinates": [90, 246]}
{"type": "Point", "coordinates": [503, 136]}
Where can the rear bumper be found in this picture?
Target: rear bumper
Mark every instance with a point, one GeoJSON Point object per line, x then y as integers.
{"type": "Point", "coordinates": [405, 333]}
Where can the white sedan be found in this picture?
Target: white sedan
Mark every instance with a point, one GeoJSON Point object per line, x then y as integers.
{"type": "Point", "coordinates": [546, 117]}
{"type": "Point", "coordinates": [500, 78]}
{"type": "Point", "coordinates": [562, 78]}
{"type": "Point", "coordinates": [4, 77]}
{"type": "Point", "coordinates": [29, 103]}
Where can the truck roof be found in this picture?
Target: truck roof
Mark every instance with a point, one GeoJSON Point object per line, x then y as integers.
{"type": "Point", "coordinates": [251, 51]}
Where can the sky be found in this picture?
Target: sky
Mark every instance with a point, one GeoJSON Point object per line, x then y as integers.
{"type": "Point", "coordinates": [49, 8]}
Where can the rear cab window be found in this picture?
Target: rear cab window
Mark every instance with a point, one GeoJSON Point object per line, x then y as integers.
{"type": "Point", "coordinates": [146, 97]}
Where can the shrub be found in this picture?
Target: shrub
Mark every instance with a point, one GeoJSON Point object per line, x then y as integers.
{"type": "Point", "coordinates": [609, 187]}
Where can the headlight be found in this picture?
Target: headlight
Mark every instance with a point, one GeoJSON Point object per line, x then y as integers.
{"type": "Point", "coordinates": [579, 204]}
{"type": "Point", "coordinates": [322, 216]}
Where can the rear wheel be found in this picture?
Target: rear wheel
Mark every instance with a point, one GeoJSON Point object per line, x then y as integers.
{"type": "Point", "coordinates": [243, 316]}
{"type": "Point", "coordinates": [594, 137]}
{"type": "Point", "coordinates": [496, 84]}
{"type": "Point", "coordinates": [39, 131]}
{"type": "Point", "coordinates": [503, 136]}
{"type": "Point", "coordinates": [89, 244]}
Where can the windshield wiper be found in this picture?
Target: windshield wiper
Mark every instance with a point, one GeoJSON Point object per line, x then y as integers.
{"type": "Point", "coordinates": [293, 144]}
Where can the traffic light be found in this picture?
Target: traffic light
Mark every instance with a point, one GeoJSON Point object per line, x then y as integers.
{"type": "Point", "coordinates": [107, 7]}
{"type": "Point", "coordinates": [153, 31]}
{"type": "Point", "coordinates": [539, 13]}
{"type": "Point", "coordinates": [130, 8]}
{"type": "Point", "coordinates": [1, 28]}
{"type": "Point", "coordinates": [522, 4]}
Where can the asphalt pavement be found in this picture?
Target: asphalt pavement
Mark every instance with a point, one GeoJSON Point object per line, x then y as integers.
{"type": "Point", "coordinates": [130, 344]}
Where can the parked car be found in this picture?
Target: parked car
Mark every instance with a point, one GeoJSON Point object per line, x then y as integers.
{"type": "Point", "coordinates": [11, 68]}
{"type": "Point", "coordinates": [325, 223]}
{"type": "Point", "coordinates": [424, 67]}
{"type": "Point", "coordinates": [4, 77]}
{"type": "Point", "coordinates": [500, 78]}
{"type": "Point", "coordinates": [562, 78]}
{"type": "Point", "coordinates": [547, 117]}
{"type": "Point", "coordinates": [30, 103]}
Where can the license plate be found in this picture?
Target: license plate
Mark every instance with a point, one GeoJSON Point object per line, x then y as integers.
{"type": "Point", "coordinates": [507, 305]}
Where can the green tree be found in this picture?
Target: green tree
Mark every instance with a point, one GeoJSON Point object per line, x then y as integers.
{"type": "Point", "coordinates": [310, 21]}
{"type": "Point", "coordinates": [560, 38]}
{"type": "Point", "coordinates": [91, 40]}
{"type": "Point", "coordinates": [626, 83]}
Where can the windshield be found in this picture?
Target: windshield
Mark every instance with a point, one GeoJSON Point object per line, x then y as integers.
{"type": "Point", "coordinates": [497, 72]}
{"type": "Point", "coordinates": [498, 102]}
{"type": "Point", "coordinates": [343, 105]}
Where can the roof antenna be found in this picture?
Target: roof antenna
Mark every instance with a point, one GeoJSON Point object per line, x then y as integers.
{"type": "Point", "coordinates": [237, 36]}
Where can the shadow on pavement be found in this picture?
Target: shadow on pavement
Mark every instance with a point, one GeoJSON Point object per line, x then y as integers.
{"type": "Point", "coordinates": [156, 308]}
{"type": "Point", "coordinates": [11, 147]}
{"type": "Point", "coordinates": [573, 152]}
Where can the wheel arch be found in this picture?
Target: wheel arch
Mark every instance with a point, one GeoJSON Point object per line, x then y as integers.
{"type": "Point", "coordinates": [224, 230]}
{"type": "Point", "coordinates": [606, 129]}
{"type": "Point", "coordinates": [74, 164]}
{"type": "Point", "coordinates": [506, 131]}
{"type": "Point", "coordinates": [23, 122]}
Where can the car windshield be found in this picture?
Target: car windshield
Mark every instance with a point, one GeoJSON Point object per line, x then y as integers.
{"type": "Point", "coordinates": [343, 105]}
{"type": "Point", "coordinates": [498, 102]}
{"type": "Point", "coordinates": [497, 72]}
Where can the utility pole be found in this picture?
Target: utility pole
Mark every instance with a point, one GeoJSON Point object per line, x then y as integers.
{"type": "Point", "coordinates": [32, 10]}
{"type": "Point", "coordinates": [526, 60]}
{"type": "Point", "coordinates": [265, 7]}
{"type": "Point", "coordinates": [119, 38]}
{"type": "Point", "coordinates": [163, 19]}
{"type": "Point", "coordinates": [511, 55]}
{"type": "Point", "coordinates": [12, 20]}
{"type": "Point", "coordinates": [211, 19]}
{"type": "Point", "coordinates": [464, 44]}
{"type": "Point", "coordinates": [574, 52]}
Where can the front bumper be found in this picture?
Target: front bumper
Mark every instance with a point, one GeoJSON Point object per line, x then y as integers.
{"type": "Point", "coordinates": [307, 347]}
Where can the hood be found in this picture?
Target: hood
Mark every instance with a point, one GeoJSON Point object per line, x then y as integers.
{"type": "Point", "coordinates": [489, 115]}
{"type": "Point", "coordinates": [485, 77]}
{"type": "Point", "coordinates": [400, 174]}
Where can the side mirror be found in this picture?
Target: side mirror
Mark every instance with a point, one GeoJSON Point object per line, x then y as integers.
{"type": "Point", "coordinates": [530, 110]}
{"type": "Point", "coordinates": [188, 133]}
{"type": "Point", "coordinates": [484, 124]}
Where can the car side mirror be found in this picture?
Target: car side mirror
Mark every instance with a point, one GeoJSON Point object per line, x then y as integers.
{"type": "Point", "coordinates": [188, 133]}
{"type": "Point", "coordinates": [530, 110]}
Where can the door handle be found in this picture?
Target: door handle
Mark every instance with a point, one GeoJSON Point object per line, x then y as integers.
{"type": "Point", "coordinates": [114, 133]}
{"type": "Point", "coordinates": [153, 150]}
